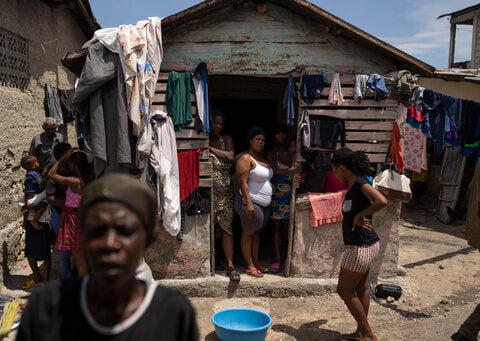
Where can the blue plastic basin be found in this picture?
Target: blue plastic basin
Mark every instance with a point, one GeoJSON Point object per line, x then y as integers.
{"type": "Point", "coordinates": [241, 324]}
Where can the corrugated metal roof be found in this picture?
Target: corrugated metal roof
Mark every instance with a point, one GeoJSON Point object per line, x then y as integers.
{"type": "Point", "coordinates": [306, 9]}
{"type": "Point", "coordinates": [454, 74]}
{"type": "Point", "coordinates": [462, 11]}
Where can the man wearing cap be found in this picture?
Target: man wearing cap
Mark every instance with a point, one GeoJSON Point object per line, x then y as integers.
{"type": "Point", "coordinates": [118, 221]}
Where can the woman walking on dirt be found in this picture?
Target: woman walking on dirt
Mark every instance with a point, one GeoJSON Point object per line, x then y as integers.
{"type": "Point", "coordinates": [359, 237]}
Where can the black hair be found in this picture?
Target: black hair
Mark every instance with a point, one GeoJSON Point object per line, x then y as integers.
{"type": "Point", "coordinates": [60, 149]}
{"type": "Point", "coordinates": [27, 162]}
{"type": "Point", "coordinates": [281, 128]}
{"type": "Point", "coordinates": [217, 112]}
{"type": "Point", "coordinates": [254, 131]}
{"type": "Point", "coordinates": [356, 161]}
{"type": "Point", "coordinates": [79, 159]}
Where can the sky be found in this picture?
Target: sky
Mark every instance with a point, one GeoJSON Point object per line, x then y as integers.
{"type": "Point", "coordinates": [409, 25]}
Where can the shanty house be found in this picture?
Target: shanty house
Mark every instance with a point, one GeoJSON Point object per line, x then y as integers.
{"type": "Point", "coordinates": [250, 48]}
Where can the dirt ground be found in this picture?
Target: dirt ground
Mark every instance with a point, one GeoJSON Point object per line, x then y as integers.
{"type": "Point", "coordinates": [440, 289]}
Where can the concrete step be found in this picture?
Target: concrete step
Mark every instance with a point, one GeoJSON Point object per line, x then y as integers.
{"type": "Point", "coordinates": [268, 286]}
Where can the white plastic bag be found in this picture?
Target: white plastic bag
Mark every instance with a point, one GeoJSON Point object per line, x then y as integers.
{"type": "Point", "coordinates": [393, 186]}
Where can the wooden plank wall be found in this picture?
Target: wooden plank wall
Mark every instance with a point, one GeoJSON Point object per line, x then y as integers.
{"type": "Point", "coordinates": [187, 138]}
{"type": "Point", "coordinates": [368, 123]}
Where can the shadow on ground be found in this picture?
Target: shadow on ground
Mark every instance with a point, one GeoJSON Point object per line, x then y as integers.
{"type": "Point", "coordinates": [306, 332]}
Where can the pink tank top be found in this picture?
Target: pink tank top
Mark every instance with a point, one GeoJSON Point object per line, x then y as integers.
{"type": "Point", "coordinates": [73, 199]}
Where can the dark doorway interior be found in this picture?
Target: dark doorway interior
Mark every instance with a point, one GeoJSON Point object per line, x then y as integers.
{"type": "Point", "coordinates": [242, 114]}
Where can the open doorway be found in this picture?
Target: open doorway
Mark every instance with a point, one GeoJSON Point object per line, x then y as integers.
{"type": "Point", "coordinates": [248, 102]}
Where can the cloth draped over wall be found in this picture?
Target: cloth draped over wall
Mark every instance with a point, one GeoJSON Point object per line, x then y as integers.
{"type": "Point", "coordinates": [326, 208]}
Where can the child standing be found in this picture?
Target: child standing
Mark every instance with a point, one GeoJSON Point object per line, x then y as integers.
{"type": "Point", "coordinates": [36, 224]}
{"type": "Point", "coordinates": [359, 237]}
{"type": "Point", "coordinates": [69, 238]}
{"type": "Point", "coordinates": [33, 184]}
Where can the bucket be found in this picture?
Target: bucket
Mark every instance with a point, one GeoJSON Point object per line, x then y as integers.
{"type": "Point", "coordinates": [241, 324]}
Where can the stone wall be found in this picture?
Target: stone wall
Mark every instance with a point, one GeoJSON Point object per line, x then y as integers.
{"type": "Point", "coordinates": [317, 251]}
{"type": "Point", "coordinates": [189, 259]}
{"type": "Point", "coordinates": [49, 33]}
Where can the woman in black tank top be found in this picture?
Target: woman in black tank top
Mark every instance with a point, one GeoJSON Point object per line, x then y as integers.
{"type": "Point", "coordinates": [361, 201]}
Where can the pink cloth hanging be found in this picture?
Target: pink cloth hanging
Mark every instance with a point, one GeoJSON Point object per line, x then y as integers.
{"type": "Point", "coordinates": [415, 149]}
{"type": "Point", "coordinates": [326, 208]}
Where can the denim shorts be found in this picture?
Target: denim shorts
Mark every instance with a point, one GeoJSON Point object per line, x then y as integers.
{"type": "Point", "coordinates": [260, 216]}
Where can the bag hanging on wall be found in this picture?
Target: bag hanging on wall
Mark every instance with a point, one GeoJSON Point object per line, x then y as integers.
{"type": "Point", "coordinates": [392, 185]}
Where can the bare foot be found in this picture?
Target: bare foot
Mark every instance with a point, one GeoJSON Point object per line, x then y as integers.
{"type": "Point", "coordinates": [369, 338]}
{"type": "Point", "coordinates": [36, 225]}
{"type": "Point", "coordinates": [352, 336]}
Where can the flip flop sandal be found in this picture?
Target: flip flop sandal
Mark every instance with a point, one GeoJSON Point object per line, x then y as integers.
{"type": "Point", "coordinates": [29, 284]}
{"type": "Point", "coordinates": [260, 267]}
{"type": "Point", "coordinates": [234, 275]}
{"type": "Point", "coordinates": [254, 272]}
{"type": "Point", "coordinates": [275, 268]}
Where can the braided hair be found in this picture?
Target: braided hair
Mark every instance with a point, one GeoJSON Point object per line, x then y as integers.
{"type": "Point", "coordinates": [356, 161]}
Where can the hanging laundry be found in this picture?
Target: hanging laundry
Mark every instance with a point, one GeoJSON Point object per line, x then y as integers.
{"type": "Point", "coordinates": [179, 105]}
{"type": "Point", "coordinates": [326, 208]}
{"type": "Point", "coordinates": [160, 147]}
{"type": "Point", "coordinates": [470, 129]}
{"type": "Point", "coordinates": [325, 132]}
{"type": "Point", "coordinates": [189, 171]}
{"type": "Point", "coordinates": [101, 89]}
{"type": "Point", "coordinates": [200, 84]}
{"type": "Point", "coordinates": [289, 97]}
{"type": "Point", "coordinates": [335, 97]}
{"type": "Point", "coordinates": [312, 86]}
{"type": "Point", "coordinates": [435, 107]}
{"type": "Point", "coordinates": [452, 134]}
{"type": "Point", "coordinates": [360, 88]}
{"type": "Point", "coordinates": [141, 53]}
{"type": "Point", "coordinates": [396, 148]}
{"type": "Point", "coordinates": [403, 87]}
{"type": "Point", "coordinates": [417, 97]}
{"type": "Point", "coordinates": [414, 149]}
{"type": "Point", "coordinates": [304, 126]}
{"type": "Point", "coordinates": [376, 84]}
{"type": "Point", "coordinates": [414, 117]}
{"type": "Point", "coordinates": [52, 104]}
{"type": "Point", "coordinates": [65, 97]}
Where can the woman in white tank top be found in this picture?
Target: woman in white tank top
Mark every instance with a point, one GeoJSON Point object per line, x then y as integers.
{"type": "Point", "coordinates": [252, 202]}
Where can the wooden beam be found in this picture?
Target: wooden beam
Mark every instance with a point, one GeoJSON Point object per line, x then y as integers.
{"type": "Point", "coordinates": [205, 168]}
{"type": "Point", "coordinates": [191, 144]}
{"type": "Point", "coordinates": [369, 103]}
{"type": "Point", "coordinates": [190, 133]}
{"type": "Point", "coordinates": [380, 113]}
{"type": "Point", "coordinates": [368, 125]}
{"type": "Point", "coordinates": [368, 136]}
{"type": "Point", "coordinates": [206, 182]}
{"type": "Point", "coordinates": [451, 52]}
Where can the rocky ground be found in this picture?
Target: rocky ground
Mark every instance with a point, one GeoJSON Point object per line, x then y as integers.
{"type": "Point", "coordinates": [440, 289]}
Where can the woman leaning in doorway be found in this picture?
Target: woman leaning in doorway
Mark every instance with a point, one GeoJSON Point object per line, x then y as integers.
{"type": "Point", "coordinates": [359, 237]}
{"type": "Point", "coordinates": [222, 154]}
{"type": "Point", "coordinates": [252, 202]}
